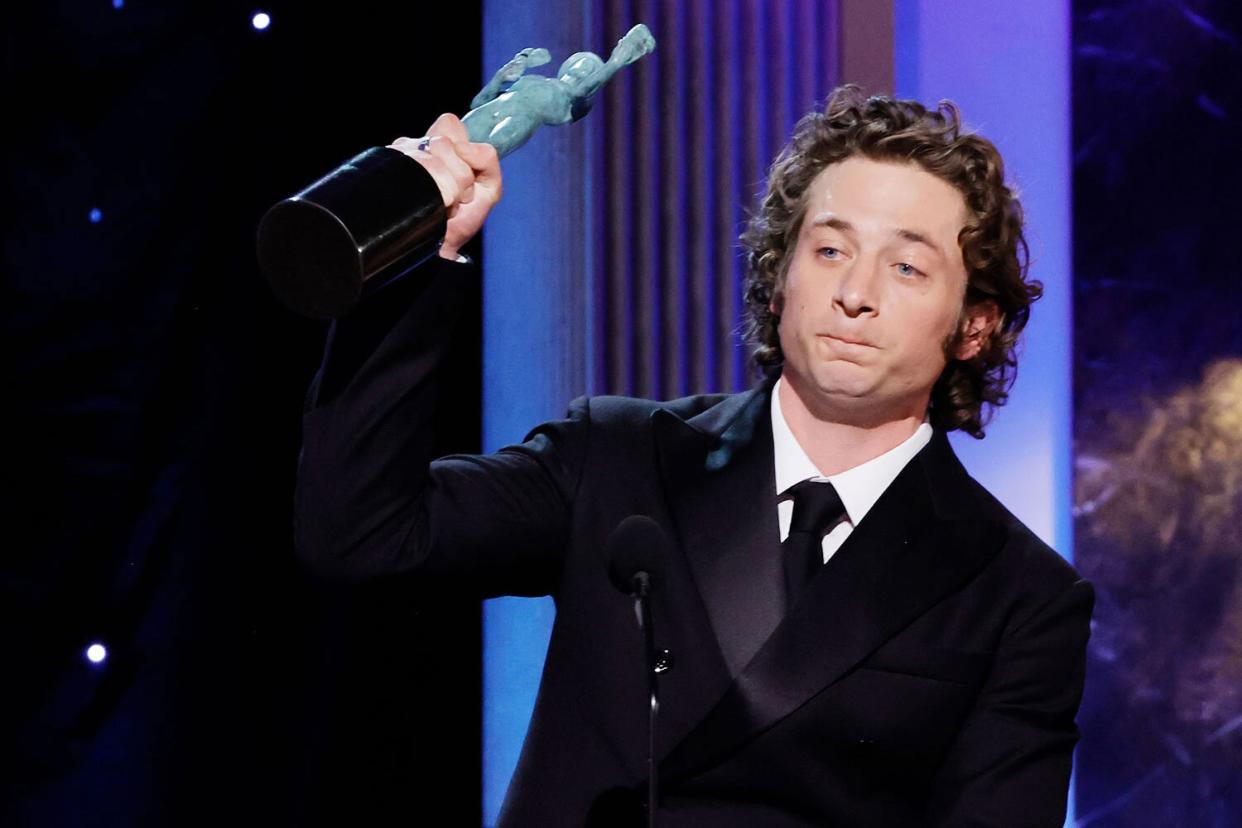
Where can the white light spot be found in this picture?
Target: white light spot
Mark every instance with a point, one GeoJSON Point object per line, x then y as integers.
{"type": "Point", "coordinates": [261, 20]}
{"type": "Point", "coordinates": [96, 653]}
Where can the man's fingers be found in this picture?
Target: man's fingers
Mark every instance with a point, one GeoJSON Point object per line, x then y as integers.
{"type": "Point", "coordinates": [406, 145]}
{"type": "Point", "coordinates": [448, 187]}
{"type": "Point", "coordinates": [444, 151]}
{"type": "Point", "coordinates": [451, 127]}
{"type": "Point", "coordinates": [466, 173]}
{"type": "Point", "coordinates": [483, 159]}
{"type": "Point", "coordinates": [452, 165]}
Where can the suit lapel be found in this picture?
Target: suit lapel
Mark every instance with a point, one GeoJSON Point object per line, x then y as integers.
{"type": "Point", "coordinates": [719, 480]}
{"type": "Point", "coordinates": [916, 546]}
{"type": "Point", "coordinates": [714, 467]}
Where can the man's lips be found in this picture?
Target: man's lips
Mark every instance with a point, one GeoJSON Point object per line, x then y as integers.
{"type": "Point", "coordinates": [847, 340]}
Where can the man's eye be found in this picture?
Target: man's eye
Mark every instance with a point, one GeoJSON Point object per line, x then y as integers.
{"type": "Point", "coordinates": [829, 252]}
{"type": "Point", "coordinates": [907, 269]}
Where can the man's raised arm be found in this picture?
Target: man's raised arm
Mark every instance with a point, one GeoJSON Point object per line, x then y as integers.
{"type": "Point", "coordinates": [369, 499]}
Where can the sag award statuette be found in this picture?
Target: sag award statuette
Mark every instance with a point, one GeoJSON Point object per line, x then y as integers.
{"type": "Point", "coordinates": [380, 214]}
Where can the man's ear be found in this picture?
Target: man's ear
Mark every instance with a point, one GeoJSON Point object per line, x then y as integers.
{"type": "Point", "coordinates": [776, 304]}
{"type": "Point", "coordinates": [980, 322]}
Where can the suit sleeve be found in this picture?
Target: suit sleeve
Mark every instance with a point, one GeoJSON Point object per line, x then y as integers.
{"type": "Point", "coordinates": [1010, 765]}
{"type": "Point", "coordinates": [371, 501]}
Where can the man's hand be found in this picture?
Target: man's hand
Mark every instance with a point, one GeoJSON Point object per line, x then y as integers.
{"type": "Point", "coordinates": [468, 175]}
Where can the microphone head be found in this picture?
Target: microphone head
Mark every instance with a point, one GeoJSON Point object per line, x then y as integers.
{"type": "Point", "coordinates": [638, 544]}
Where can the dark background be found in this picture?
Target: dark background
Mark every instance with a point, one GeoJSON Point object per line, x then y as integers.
{"type": "Point", "coordinates": [153, 396]}
{"type": "Point", "coordinates": [153, 390]}
{"type": "Point", "coordinates": [1158, 409]}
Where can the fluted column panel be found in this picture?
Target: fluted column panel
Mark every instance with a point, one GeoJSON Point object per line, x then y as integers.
{"type": "Point", "coordinates": [678, 158]}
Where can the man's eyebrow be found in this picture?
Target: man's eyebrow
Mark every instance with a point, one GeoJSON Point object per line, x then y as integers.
{"type": "Point", "coordinates": [829, 220]}
{"type": "Point", "coordinates": [918, 238]}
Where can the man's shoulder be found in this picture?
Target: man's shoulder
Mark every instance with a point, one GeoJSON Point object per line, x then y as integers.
{"type": "Point", "coordinates": [618, 421]}
{"type": "Point", "coordinates": [620, 410]}
{"type": "Point", "coordinates": [1024, 551]}
{"type": "Point", "coordinates": [958, 496]}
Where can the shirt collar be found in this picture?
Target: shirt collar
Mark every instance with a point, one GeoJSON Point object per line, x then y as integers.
{"type": "Point", "coordinates": [860, 487]}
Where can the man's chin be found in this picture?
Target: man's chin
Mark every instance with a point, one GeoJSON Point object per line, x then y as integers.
{"type": "Point", "coordinates": [844, 384]}
{"type": "Point", "coordinates": [852, 400]}
{"type": "Point", "coordinates": [841, 399]}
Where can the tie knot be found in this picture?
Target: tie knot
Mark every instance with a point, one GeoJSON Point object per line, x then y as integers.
{"type": "Point", "coordinates": [817, 507]}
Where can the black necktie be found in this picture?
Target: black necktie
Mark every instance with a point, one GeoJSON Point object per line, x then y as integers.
{"type": "Point", "coordinates": [817, 508]}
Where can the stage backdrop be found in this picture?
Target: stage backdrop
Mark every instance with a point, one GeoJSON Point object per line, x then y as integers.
{"type": "Point", "coordinates": [1158, 409]}
{"type": "Point", "coordinates": [613, 265]}
{"type": "Point", "coordinates": [612, 262]}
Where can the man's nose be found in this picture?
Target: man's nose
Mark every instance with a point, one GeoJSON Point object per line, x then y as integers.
{"type": "Point", "coordinates": [858, 291]}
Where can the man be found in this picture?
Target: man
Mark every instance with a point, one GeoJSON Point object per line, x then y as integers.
{"type": "Point", "coordinates": [862, 635]}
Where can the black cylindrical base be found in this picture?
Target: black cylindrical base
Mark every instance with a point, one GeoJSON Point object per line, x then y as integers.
{"type": "Point", "coordinates": [368, 221]}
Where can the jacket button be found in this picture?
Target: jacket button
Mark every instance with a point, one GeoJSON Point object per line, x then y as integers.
{"type": "Point", "coordinates": [663, 662]}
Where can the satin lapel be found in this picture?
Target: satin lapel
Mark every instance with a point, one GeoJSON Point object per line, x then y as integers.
{"type": "Point", "coordinates": [915, 547]}
{"type": "Point", "coordinates": [716, 468]}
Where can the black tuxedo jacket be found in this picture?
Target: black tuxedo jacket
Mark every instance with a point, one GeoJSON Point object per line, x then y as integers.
{"type": "Point", "coordinates": [929, 676]}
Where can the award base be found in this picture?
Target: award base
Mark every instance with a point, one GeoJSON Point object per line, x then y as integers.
{"type": "Point", "coordinates": [373, 218]}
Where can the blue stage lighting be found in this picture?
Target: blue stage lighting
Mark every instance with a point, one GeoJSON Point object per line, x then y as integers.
{"type": "Point", "coordinates": [118, 4]}
{"type": "Point", "coordinates": [261, 20]}
{"type": "Point", "coordinates": [96, 215]}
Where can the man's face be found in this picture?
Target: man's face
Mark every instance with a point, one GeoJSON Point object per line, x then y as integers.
{"type": "Point", "coordinates": [874, 290]}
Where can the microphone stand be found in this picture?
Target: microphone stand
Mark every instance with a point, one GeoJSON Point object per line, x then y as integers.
{"type": "Point", "coordinates": [642, 610]}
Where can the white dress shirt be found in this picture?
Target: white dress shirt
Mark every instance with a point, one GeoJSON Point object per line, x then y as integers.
{"type": "Point", "coordinates": [859, 488]}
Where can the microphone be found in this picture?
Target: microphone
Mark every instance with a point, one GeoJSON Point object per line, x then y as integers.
{"type": "Point", "coordinates": [638, 551]}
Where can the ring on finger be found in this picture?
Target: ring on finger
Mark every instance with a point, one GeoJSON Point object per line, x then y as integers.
{"type": "Point", "coordinates": [423, 145]}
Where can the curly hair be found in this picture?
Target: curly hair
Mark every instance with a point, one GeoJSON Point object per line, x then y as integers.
{"type": "Point", "coordinates": [994, 249]}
